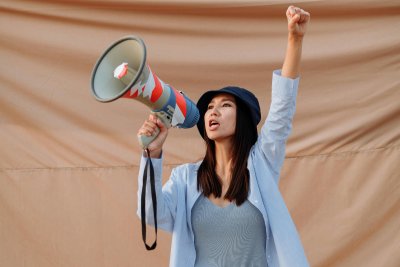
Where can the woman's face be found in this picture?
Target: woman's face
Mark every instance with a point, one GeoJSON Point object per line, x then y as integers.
{"type": "Point", "coordinates": [220, 117]}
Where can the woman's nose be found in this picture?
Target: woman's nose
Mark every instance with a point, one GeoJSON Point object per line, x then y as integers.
{"type": "Point", "coordinates": [214, 111]}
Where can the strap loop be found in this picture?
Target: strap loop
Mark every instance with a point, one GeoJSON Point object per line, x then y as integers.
{"type": "Point", "coordinates": [148, 165]}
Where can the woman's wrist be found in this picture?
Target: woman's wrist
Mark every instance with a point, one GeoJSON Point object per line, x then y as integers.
{"type": "Point", "coordinates": [291, 64]}
{"type": "Point", "coordinates": [156, 154]}
{"type": "Point", "coordinates": [295, 39]}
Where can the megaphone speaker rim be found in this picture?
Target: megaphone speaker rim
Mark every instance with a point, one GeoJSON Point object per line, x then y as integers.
{"type": "Point", "coordinates": [129, 86]}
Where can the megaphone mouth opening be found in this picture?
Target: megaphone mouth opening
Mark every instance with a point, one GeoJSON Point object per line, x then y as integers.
{"type": "Point", "coordinates": [130, 49]}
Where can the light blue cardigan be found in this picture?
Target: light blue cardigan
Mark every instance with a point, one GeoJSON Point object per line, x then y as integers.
{"type": "Point", "coordinates": [176, 198]}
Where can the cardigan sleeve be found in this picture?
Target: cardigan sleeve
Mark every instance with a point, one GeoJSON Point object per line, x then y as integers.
{"type": "Point", "coordinates": [271, 143]}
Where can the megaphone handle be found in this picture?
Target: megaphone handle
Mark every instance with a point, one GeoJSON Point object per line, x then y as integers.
{"type": "Point", "coordinates": [146, 140]}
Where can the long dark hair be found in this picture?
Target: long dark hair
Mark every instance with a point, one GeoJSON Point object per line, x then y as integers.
{"type": "Point", "coordinates": [244, 138]}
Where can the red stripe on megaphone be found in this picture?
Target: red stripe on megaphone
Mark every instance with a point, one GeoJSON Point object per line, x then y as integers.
{"type": "Point", "coordinates": [180, 101]}
{"type": "Point", "coordinates": [128, 94]}
{"type": "Point", "coordinates": [158, 89]}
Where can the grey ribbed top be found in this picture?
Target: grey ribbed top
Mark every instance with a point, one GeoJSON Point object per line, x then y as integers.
{"type": "Point", "coordinates": [229, 236]}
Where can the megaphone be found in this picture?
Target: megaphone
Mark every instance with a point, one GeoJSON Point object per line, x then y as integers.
{"type": "Point", "coordinates": [122, 71]}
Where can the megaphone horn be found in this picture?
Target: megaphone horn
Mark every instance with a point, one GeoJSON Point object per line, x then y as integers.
{"type": "Point", "coordinates": [122, 71]}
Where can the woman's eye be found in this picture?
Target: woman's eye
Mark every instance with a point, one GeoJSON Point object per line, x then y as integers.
{"type": "Point", "coordinates": [226, 105]}
{"type": "Point", "coordinates": [210, 107]}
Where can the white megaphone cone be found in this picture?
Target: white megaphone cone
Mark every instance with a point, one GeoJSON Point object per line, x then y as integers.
{"type": "Point", "coordinates": [122, 71]}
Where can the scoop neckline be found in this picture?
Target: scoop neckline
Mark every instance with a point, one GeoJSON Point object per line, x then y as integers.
{"type": "Point", "coordinates": [217, 206]}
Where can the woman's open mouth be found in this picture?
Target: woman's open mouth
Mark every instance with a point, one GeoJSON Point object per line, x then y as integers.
{"type": "Point", "coordinates": [212, 125]}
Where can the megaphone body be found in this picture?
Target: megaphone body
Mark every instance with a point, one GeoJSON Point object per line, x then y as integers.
{"type": "Point", "coordinates": [122, 71]}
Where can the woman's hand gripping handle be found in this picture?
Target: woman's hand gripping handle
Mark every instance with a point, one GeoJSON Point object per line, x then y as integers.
{"type": "Point", "coordinates": [152, 135]}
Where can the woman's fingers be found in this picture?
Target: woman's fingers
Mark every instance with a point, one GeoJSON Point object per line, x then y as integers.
{"type": "Point", "coordinates": [304, 16]}
{"type": "Point", "coordinates": [148, 128]}
{"type": "Point", "coordinates": [151, 127]}
{"type": "Point", "coordinates": [297, 13]}
{"type": "Point", "coordinates": [297, 20]}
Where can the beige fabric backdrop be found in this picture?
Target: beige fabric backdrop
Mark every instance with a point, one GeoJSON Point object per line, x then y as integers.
{"type": "Point", "coordinates": [68, 163]}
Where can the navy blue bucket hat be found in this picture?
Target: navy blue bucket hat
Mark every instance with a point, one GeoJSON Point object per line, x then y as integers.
{"type": "Point", "coordinates": [241, 94]}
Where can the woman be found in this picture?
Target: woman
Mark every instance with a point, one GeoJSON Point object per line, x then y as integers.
{"type": "Point", "coordinates": [227, 210]}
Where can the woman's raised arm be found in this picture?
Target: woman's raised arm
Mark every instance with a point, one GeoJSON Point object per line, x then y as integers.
{"type": "Point", "coordinates": [297, 26]}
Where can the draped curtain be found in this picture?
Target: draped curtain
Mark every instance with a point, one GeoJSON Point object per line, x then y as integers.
{"type": "Point", "coordinates": [69, 164]}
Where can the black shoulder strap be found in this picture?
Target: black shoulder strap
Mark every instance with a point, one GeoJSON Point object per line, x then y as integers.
{"type": "Point", "coordinates": [154, 199]}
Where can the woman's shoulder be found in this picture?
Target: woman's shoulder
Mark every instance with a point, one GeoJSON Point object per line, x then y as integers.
{"type": "Point", "coordinates": [186, 173]}
{"type": "Point", "coordinates": [189, 168]}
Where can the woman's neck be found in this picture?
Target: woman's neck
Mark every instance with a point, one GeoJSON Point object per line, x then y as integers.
{"type": "Point", "coordinates": [223, 156]}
